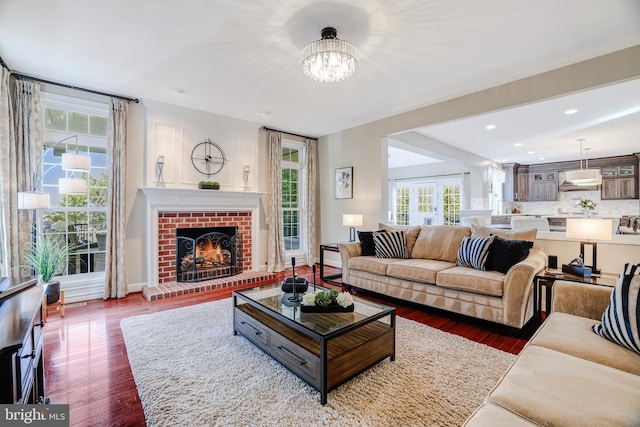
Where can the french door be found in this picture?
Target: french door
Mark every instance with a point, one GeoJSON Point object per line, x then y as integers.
{"type": "Point", "coordinates": [425, 202]}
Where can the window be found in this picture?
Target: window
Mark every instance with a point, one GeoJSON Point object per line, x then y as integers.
{"type": "Point", "coordinates": [402, 206]}
{"type": "Point", "coordinates": [496, 178]}
{"type": "Point", "coordinates": [451, 204]}
{"type": "Point", "coordinates": [292, 164]}
{"type": "Point", "coordinates": [77, 220]}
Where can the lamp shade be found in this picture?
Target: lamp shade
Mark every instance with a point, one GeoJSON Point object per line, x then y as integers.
{"type": "Point", "coordinates": [589, 228]}
{"type": "Point", "coordinates": [584, 177]}
{"type": "Point", "coordinates": [76, 162]}
{"type": "Point", "coordinates": [351, 220]}
{"type": "Point", "coordinates": [72, 186]}
{"type": "Point", "coordinates": [33, 200]}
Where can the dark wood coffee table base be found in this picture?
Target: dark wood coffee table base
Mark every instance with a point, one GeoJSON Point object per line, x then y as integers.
{"type": "Point", "coordinates": [324, 362]}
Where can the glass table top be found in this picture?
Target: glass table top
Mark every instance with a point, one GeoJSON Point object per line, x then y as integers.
{"type": "Point", "coordinates": [602, 279]}
{"type": "Point", "coordinates": [273, 299]}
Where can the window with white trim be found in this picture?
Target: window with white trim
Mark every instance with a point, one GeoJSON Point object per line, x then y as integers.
{"type": "Point", "coordinates": [77, 220]}
{"type": "Point", "coordinates": [292, 196]}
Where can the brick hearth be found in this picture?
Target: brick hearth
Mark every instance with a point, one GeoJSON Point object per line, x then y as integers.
{"type": "Point", "coordinates": [243, 280]}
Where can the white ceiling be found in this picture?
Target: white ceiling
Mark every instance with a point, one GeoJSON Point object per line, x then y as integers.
{"type": "Point", "coordinates": [607, 118]}
{"type": "Point", "coordinates": [239, 58]}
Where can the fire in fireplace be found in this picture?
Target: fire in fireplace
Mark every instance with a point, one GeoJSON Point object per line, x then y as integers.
{"type": "Point", "coordinates": [207, 253]}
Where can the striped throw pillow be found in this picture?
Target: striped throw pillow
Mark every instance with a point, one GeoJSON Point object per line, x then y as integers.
{"type": "Point", "coordinates": [390, 244]}
{"type": "Point", "coordinates": [621, 320]}
{"type": "Point", "coordinates": [473, 252]}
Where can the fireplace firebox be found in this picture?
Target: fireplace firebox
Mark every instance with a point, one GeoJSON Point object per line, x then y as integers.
{"type": "Point", "coordinates": [207, 253]}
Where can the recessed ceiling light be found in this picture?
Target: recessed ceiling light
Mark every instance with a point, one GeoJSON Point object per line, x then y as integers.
{"type": "Point", "coordinates": [503, 160]}
{"type": "Point", "coordinates": [531, 152]}
{"type": "Point", "coordinates": [490, 127]}
{"type": "Point", "coordinates": [265, 113]}
{"type": "Point", "coordinates": [540, 158]}
{"type": "Point", "coordinates": [517, 144]}
{"type": "Point", "coordinates": [178, 90]}
{"type": "Point", "coordinates": [571, 111]}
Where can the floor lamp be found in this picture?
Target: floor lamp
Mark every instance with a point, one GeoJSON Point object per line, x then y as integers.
{"type": "Point", "coordinates": [588, 230]}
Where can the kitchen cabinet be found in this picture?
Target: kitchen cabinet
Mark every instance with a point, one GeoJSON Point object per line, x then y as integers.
{"type": "Point", "coordinates": [522, 187]}
{"type": "Point", "coordinates": [543, 186]}
{"type": "Point", "coordinates": [516, 186]}
{"type": "Point", "coordinates": [619, 182]}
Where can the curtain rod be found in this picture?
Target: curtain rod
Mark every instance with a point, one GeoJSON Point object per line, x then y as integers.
{"type": "Point", "coordinates": [97, 92]}
{"type": "Point", "coordinates": [430, 176]}
{"type": "Point", "coordinates": [288, 133]}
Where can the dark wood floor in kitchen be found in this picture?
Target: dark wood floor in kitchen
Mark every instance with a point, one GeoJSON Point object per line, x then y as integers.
{"type": "Point", "coordinates": [86, 363]}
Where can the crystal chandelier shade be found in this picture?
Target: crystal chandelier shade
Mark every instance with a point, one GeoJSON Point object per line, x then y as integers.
{"type": "Point", "coordinates": [329, 59]}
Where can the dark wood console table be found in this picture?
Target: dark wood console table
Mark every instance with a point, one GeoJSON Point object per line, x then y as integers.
{"type": "Point", "coordinates": [21, 354]}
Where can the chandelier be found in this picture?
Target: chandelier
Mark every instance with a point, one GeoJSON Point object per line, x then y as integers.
{"type": "Point", "coordinates": [329, 59]}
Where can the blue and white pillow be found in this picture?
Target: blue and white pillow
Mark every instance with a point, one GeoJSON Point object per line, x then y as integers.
{"type": "Point", "coordinates": [391, 244]}
{"type": "Point", "coordinates": [473, 252]}
{"type": "Point", "coordinates": [620, 322]}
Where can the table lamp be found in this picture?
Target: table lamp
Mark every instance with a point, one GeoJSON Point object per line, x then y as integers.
{"type": "Point", "coordinates": [588, 230]}
{"type": "Point", "coordinates": [352, 221]}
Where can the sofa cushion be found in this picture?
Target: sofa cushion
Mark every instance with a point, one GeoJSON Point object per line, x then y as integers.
{"type": "Point", "coordinates": [390, 245]}
{"type": "Point", "coordinates": [555, 389]}
{"type": "Point", "coordinates": [504, 254]}
{"type": "Point", "coordinates": [440, 242]}
{"type": "Point", "coordinates": [372, 264]}
{"type": "Point", "coordinates": [418, 270]}
{"type": "Point", "coordinates": [473, 252]}
{"type": "Point", "coordinates": [479, 231]}
{"type": "Point", "coordinates": [366, 243]}
{"type": "Point", "coordinates": [621, 320]}
{"type": "Point", "coordinates": [411, 230]}
{"type": "Point", "coordinates": [572, 335]}
{"type": "Point", "coordinates": [468, 279]}
{"type": "Point", "coordinates": [490, 415]}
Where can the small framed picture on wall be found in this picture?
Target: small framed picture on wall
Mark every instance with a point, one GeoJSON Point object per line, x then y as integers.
{"type": "Point", "coordinates": [344, 183]}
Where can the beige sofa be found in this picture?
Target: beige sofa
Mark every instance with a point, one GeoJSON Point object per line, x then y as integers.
{"type": "Point", "coordinates": [567, 375]}
{"type": "Point", "coordinates": [430, 276]}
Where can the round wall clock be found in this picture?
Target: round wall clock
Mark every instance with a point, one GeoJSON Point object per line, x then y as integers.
{"type": "Point", "coordinates": [208, 158]}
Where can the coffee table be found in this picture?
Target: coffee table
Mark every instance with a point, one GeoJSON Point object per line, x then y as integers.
{"type": "Point", "coordinates": [323, 349]}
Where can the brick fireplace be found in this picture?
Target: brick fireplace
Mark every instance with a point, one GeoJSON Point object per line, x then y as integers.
{"type": "Point", "coordinates": [171, 208]}
{"type": "Point", "coordinates": [168, 222]}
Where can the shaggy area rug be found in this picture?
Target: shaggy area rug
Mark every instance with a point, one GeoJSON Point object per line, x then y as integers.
{"type": "Point", "coordinates": [190, 370]}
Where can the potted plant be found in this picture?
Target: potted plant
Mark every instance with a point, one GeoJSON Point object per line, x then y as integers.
{"type": "Point", "coordinates": [46, 259]}
{"type": "Point", "coordinates": [209, 185]}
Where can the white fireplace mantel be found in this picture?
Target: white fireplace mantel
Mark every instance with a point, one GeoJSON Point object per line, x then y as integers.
{"type": "Point", "coordinates": [159, 199]}
{"type": "Point", "coordinates": [181, 199]}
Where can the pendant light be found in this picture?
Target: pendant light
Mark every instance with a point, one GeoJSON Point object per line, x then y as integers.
{"type": "Point", "coordinates": [584, 177]}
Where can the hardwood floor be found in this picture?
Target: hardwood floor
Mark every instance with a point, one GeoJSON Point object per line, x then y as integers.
{"type": "Point", "coordinates": [86, 364]}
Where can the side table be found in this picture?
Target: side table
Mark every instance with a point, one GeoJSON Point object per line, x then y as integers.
{"type": "Point", "coordinates": [603, 279]}
{"type": "Point", "coordinates": [331, 247]}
